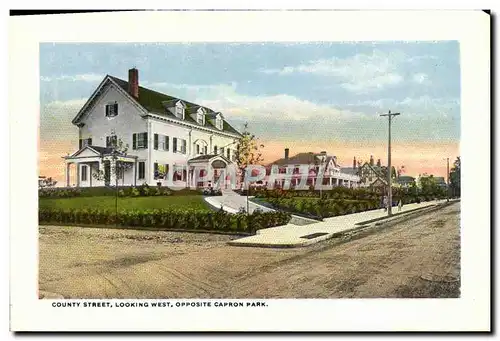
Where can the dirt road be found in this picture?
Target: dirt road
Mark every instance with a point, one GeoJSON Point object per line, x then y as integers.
{"type": "Point", "coordinates": [418, 258]}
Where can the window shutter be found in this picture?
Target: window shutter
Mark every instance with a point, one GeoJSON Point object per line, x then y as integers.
{"type": "Point", "coordinates": [146, 139]}
{"type": "Point", "coordinates": [175, 144]}
{"type": "Point", "coordinates": [107, 110]}
{"type": "Point", "coordinates": [115, 106]}
{"type": "Point", "coordinates": [134, 141]}
{"type": "Point", "coordinates": [156, 142]}
{"type": "Point", "coordinates": [166, 142]}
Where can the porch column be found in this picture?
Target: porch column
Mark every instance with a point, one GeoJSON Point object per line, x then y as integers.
{"type": "Point", "coordinates": [134, 173]}
{"type": "Point", "coordinates": [112, 171]}
{"type": "Point", "coordinates": [77, 174]}
{"type": "Point", "coordinates": [68, 164]}
{"type": "Point", "coordinates": [330, 181]}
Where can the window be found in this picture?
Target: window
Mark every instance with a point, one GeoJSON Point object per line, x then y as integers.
{"type": "Point", "coordinates": [183, 146]}
{"type": "Point", "coordinates": [219, 122]}
{"type": "Point", "coordinates": [84, 173]}
{"type": "Point", "coordinates": [197, 149]}
{"type": "Point", "coordinates": [111, 141]}
{"type": "Point", "coordinates": [215, 150]}
{"type": "Point", "coordinates": [221, 151]}
{"type": "Point", "coordinates": [179, 110]}
{"type": "Point", "coordinates": [156, 171]}
{"type": "Point", "coordinates": [112, 109]}
{"type": "Point", "coordinates": [175, 144]}
{"type": "Point", "coordinates": [161, 142]}
{"type": "Point", "coordinates": [140, 141]}
{"type": "Point", "coordinates": [200, 117]}
{"type": "Point", "coordinates": [142, 170]}
{"type": "Point", "coordinates": [229, 154]}
{"type": "Point", "coordinates": [84, 142]}
{"type": "Point", "coordinates": [205, 150]}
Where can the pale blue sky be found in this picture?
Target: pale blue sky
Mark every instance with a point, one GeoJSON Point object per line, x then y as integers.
{"type": "Point", "coordinates": [286, 91]}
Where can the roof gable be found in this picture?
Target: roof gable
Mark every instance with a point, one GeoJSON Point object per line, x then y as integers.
{"type": "Point", "coordinates": [209, 158]}
{"type": "Point", "coordinates": [108, 80]}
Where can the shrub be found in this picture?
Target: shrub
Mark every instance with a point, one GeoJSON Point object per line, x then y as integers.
{"type": "Point", "coordinates": [168, 219]}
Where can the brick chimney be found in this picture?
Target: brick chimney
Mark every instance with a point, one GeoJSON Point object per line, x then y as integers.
{"type": "Point", "coordinates": [379, 163]}
{"type": "Point", "coordinates": [133, 83]}
{"type": "Point", "coordinates": [371, 160]}
{"type": "Point", "coordinates": [354, 164]}
{"type": "Point", "coordinates": [287, 153]}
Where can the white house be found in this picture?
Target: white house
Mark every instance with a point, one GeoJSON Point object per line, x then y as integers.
{"type": "Point", "coordinates": [167, 137]}
{"type": "Point", "coordinates": [332, 176]}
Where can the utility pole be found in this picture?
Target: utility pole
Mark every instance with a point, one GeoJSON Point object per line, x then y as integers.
{"type": "Point", "coordinates": [447, 179]}
{"type": "Point", "coordinates": [389, 167]}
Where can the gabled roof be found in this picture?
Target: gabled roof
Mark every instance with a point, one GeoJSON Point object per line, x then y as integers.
{"type": "Point", "coordinates": [156, 103]}
{"type": "Point", "coordinates": [303, 159]}
{"type": "Point", "coordinates": [349, 170]}
{"type": "Point", "coordinates": [376, 169]}
{"type": "Point", "coordinates": [378, 182]}
{"type": "Point", "coordinates": [208, 157]}
{"type": "Point", "coordinates": [99, 151]}
{"type": "Point", "coordinates": [406, 178]}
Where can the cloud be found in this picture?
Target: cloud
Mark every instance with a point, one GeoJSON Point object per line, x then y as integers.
{"type": "Point", "coordinates": [421, 78]}
{"type": "Point", "coordinates": [421, 105]}
{"type": "Point", "coordinates": [226, 98]}
{"type": "Point", "coordinates": [359, 73]}
{"type": "Point", "coordinates": [87, 77]}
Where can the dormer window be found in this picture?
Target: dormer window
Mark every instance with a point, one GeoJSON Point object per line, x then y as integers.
{"type": "Point", "coordinates": [179, 110]}
{"type": "Point", "coordinates": [200, 116]}
{"type": "Point", "coordinates": [219, 121]}
{"type": "Point", "coordinates": [111, 109]}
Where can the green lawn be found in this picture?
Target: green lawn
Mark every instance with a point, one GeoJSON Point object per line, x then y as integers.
{"type": "Point", "coordinates": [108, 202]}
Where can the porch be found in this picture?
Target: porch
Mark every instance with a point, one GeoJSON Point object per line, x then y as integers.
{"type": "Point", "coordinates": [98, 166]}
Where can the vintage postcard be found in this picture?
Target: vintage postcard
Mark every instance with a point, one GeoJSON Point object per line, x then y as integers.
{"type": "Point", "coordinates": [208, 177]}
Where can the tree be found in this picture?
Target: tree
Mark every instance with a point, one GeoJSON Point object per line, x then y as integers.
{"type": "Point", "coordinates": [117, 168]}
{"type": "Point", "coordinates": [247, 152]}
{"type": "Point", "coordinates": [383, 170]}
{"type": "Point", "coordinates": [455, 177]}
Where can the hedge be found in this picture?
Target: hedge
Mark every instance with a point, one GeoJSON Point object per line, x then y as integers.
{"type": "Point", "coordinates": [322, 208]}
{"type": "Point", "coordinates": [124, 191]}
{"type": "Point", "coordinates": [165, 219]}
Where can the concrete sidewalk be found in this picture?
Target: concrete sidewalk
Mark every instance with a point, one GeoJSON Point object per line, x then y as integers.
{"type": "Point", "coordinates": [232, 202]}
{"type": "Point", "coordinates": [290, 235]}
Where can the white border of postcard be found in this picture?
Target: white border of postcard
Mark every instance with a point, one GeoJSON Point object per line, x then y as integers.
{"type": "Point", "coordinates": [470, 28]}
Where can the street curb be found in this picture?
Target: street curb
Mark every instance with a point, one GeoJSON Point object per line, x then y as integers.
{"type": "Point", "coordinates": [375, 226]}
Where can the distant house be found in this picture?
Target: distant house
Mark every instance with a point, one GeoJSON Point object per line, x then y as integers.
{"type": "Point", "coordinates": [334, 176]}
{"type": "Point", "coordinates": [405, 181]}
{"type": "Point", "coordinates": [372, 175]}
{"type": "Point", "coordinates": [439, 180]}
